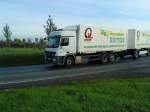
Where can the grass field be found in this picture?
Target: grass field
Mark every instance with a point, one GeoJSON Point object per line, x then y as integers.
{"type": "Point", "coordinates": [95, 96]}
{"type": "Point", "coordinates": [21, 56]}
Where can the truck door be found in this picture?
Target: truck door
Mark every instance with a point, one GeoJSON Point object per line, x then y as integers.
{"type": "Point", "coordinates": [68, 45]}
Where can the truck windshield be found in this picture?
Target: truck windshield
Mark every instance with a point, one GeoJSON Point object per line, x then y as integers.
{"type": "Point", "coordinates": [53, 41]}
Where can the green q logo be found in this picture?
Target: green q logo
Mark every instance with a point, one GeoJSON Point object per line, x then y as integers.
{"type": "Point", "coordinates": [88, 34]}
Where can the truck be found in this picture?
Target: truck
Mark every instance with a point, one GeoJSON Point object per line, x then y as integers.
{"type": "Point", "coordinates": [82, 44]}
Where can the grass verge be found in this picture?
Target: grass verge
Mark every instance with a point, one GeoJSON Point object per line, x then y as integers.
{"type": "Point", "coordinates": [21, 56]}
{"type": "Point", "coordinates": [94, 96]}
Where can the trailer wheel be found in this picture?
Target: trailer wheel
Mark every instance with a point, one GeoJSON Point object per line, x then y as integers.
{"type": "Point", "coordinates": [104, 58]}
{"type": "Point", "coordinates": [69, 61]}
{"type": "Point", "coordinates": [112, 57]}
{"type": "Point", "coordinates": [148, 53]}
{"type": "Point", "coordinates": [135, 54]}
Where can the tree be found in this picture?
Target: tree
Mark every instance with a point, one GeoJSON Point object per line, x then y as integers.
{"type": "Point", "coordinates": [36, 40]}
{"type": "Point", "coordinates": [17, 42]}
{"type": "Point", "coordinates": [42, 43]}
{"type": "Point", "coordinates": [50, 26]}
{"type": "Point", "coordinates": [29, 40]}
{"type": "Point", "coordinates": [24, 42]}
{"type": "Point", "coordinates": [7, 33]}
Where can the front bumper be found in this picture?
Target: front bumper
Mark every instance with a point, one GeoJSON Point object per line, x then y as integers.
{"type": "Point", "coordinates": [56, 60]}
{"type": "Point", "coordinates": [51, 58]}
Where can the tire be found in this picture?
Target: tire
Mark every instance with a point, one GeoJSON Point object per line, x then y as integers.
{"type": "Point", "coordinates": [148, 53]}
{"type": "Point", "coordinates": [104, 58]}
{"type": "Point", "coordinates": [135, 54]}
{"type": "Point", "coordinates": [122, 56]}
{"type": "Point", "coordinates": [112, 57]}
{"type": "Point", "coordinates": [69, 61]}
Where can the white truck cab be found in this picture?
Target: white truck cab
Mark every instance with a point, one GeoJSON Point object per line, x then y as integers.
{"type": "Point", "coordinates": [61, 47]}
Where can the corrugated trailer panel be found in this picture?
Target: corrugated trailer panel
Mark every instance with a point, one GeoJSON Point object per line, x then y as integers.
{"type": "Point", "coordinates": [138, 39]}
{"type": "Point", "coordinates": [93, 39]}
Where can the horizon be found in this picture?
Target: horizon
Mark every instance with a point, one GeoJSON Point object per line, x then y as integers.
{"type": "Point", "coordinates": [26, 18]}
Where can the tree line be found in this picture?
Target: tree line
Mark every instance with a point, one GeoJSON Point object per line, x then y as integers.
{"type": "Point", "coordinates": [23, 43]}
{"type": "Point", "coordinates": [27, 42]}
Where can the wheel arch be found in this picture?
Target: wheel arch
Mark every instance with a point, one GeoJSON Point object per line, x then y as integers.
{"type": "Point", "coordinates": [69, 55]}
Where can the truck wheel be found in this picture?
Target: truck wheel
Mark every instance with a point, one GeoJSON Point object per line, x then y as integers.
{"type": "Point", "coordinates": [148, 52]}
{"type": "Point", "coordinates": [104, 58]}
{"type": "Point", "coordinates": [69, 61]}
{"type": "Point", "coordinates": [135, 54]}
{"type": "Point", "coordinates": [112, 58]}
{"type": "Point", "coordinates": [122, 56]}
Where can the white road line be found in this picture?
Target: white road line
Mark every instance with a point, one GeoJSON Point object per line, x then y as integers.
{"type": "Point", "coordinates": [67, 76]}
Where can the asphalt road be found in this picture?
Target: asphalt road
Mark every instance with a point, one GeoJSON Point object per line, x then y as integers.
{"type": "Point", "coordinates": [41, 75]}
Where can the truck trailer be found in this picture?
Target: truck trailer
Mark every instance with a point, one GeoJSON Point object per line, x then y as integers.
{"type": "Point", "coordinates": [82, 44]}
{"type": "Point", "coordinates": [138, 42]}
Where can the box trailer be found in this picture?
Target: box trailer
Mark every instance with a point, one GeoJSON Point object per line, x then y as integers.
{"type": "Point", "coordinates": [138, 42]}
{"type": "Point", "coordinates": [76, 44]}
{"type": "Point", "coordinates": [94, 39]}
{"type": "Point", "coordinates": [138, 39]}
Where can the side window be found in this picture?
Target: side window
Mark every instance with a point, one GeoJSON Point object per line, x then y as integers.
{"type": "Point", "coordinates": [64, 42]}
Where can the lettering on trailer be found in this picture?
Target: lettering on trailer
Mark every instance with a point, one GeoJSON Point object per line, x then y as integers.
{"type": "Point", "coordinates": [88, 34]}
{"type": "Point", "coordinates": [104, 33]}
{"type": "Point", "coordinates": [146, 34]}
{"type": "Point", "coordinates": [105, 46]}
{"type": "Point", "coordinates": [114, 37]}
{"type": "Point", "coordinates": [107, 33]}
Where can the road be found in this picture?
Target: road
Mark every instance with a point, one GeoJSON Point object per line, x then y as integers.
{"type": "Point", "coordinates": [41, 75]}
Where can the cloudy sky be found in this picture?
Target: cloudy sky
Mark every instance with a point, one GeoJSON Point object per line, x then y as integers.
{"type": "Point", "coordinates": [26, 17]}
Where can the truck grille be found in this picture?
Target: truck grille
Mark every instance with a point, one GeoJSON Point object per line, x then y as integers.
{"type": "Point", "coordinates": [49, 54]}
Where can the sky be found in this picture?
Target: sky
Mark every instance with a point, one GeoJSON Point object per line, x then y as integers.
{"type": "Point", "coordinates": [27, 17]}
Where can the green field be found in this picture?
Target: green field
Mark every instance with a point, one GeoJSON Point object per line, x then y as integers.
{"type": "Point", "coordinates": [21, 56]}
{"type": "Point", "coordinates": [95, 96]}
